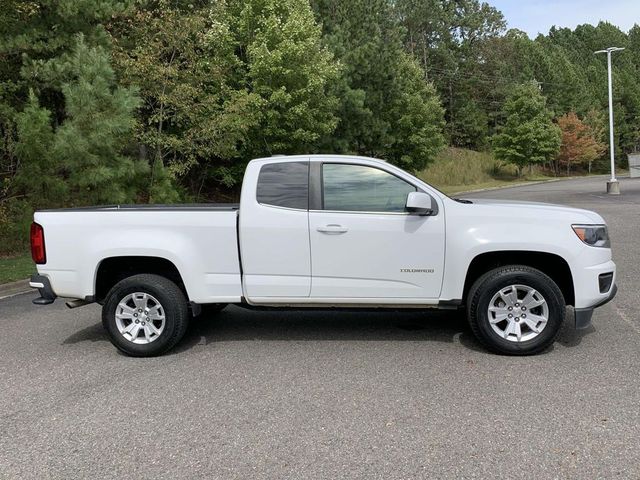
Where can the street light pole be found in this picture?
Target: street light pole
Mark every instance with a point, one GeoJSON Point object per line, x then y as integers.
{"type": "Point", "coordinates": [613, 186]}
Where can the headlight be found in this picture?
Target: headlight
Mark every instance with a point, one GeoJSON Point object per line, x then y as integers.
{"type": "Point", "coordinates": [593, 235]}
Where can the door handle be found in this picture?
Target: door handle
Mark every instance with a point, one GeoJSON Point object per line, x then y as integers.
{"type": "Point", "coordinates": [332, 229]}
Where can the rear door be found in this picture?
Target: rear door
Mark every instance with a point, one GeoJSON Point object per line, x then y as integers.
{"type": "Point", "coordinates": [274, 230]}
{"type": "Point", "coordinates": [364, 245]}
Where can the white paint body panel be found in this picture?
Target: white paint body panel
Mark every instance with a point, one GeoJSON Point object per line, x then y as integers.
{"type": "Point", "coordinates": [201, 244]}
{"type": "Point", "coordinates": [380, 256]}
{"type": "Point", "coordinates": [380, 259]}
{"type": "Point", "coordinates": [274, 241]}
{"type": "Point", "coordinates": [486, 226]}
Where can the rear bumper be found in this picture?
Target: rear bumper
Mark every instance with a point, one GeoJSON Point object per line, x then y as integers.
{"type": "Point", "coordinates": [44, 289]}
{"type": "Point", "coordinates": [583, 315]}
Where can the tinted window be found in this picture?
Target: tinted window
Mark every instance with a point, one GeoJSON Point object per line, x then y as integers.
{"type": "Point", "coordinates": [284, 185]}
{"type": "Point", "coordinates": [360, 188]}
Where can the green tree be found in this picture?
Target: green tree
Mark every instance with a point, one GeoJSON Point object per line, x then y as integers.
{"type": "Point", "coordinates": [596, 121]}
{"type": "Point", "coordinates": [193, 113]}
{"type": "Point", "coordinates": [591, 75]}
{"type": "Point", "coordinates": [292, 72]}
{"type": "Point", "coordinates": [91, 145]}
{"type": "Point", "coordinates": [222, 84]}
{"type": "Point", "coordinates": [65, 123]}
{"type": "Point", "coordinates": [82, 159]}
{"type": "Point", "coordinates": [386, 108]}
{"type": "Point", "coordinates": [528, 136]}
{"type": "Point", "coordinates": [447, 37]}
{"type": "Point", "coordinates": [35, 34]}
{"type": "Point", "coordinates": [37, 176]}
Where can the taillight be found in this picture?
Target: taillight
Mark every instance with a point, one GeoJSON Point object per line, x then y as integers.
{"type": "Point", "coordinates": [38, 252]}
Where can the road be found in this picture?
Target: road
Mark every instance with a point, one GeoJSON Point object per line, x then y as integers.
{"type": "Point", "coordinates": [330, 395]}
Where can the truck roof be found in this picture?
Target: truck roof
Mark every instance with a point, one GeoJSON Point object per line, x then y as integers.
{"type": "Point", "coordinates": [317, 156]}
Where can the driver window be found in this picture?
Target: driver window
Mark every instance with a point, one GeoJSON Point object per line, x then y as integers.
{"type": "Point", "coordinates": [360, 188]}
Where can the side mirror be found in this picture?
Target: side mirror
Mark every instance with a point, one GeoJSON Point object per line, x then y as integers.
{"type": "Point", "coordinates": [419, 203]}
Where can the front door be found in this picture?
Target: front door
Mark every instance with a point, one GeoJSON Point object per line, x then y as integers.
{"type": "Point", "coordinates": [364, 245]}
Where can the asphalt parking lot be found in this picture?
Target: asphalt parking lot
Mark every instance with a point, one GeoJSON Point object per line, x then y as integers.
{"type": "Point", "coordinates": [330, 395]}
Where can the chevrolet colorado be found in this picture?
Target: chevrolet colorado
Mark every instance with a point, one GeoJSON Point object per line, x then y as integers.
{"type": "Point", "coordinates": [327, 231]}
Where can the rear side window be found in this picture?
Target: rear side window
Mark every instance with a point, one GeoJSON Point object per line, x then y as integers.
{"type": "Point", "coordinates": [284, 184]}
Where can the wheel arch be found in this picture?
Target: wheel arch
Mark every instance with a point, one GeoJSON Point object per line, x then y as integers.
{"type": "Point", "coordinates": [112, 270]}
{"type": "Point", "coordinates": [550, 264]}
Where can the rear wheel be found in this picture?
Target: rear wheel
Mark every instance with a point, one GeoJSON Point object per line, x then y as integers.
{"type": "Point", "coordinates": [515, 310]}
{"type": "Point", "coordinates": [145, 315]}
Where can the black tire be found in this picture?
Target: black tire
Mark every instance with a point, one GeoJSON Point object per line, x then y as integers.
{"type": "Point", "coordinates": [489, 284]}
{"type": "Point", "coordinates": [173, 303]}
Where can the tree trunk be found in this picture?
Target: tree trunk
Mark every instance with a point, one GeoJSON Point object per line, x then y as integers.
{"type": "Point", "coordinates": [450, 110]}
{"type": "Point", "coordinates": [424, 58]}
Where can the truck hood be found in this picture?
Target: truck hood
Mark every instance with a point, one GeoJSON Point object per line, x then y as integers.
{"type": "Point", "coordinates": [539, 208]}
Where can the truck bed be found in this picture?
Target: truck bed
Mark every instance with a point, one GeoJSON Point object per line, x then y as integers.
{"type": "Point", "coordinates": [199, 240]}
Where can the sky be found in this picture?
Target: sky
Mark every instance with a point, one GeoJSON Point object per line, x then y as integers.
{"type": "Point", "coordinates": [537, 16]}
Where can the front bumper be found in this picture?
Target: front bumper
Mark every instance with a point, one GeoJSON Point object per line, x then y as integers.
{"type": "Point", "coordinates": [583, 315]}
{"type": "Point", "coordinates": [44, 289]}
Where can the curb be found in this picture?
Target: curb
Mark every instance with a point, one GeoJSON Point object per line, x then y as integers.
{"type": "Point", "coordinates": [14, 288]}
{"type": "Point", "coordinates": [523, 184]}
{"type": "Point", "coordinates": [515, 185]}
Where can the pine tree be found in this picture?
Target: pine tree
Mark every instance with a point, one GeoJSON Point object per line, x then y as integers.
{"type": "Point", "coordinates": [38, 175]}
{"type": "Point", "coordinates": [448, 39]}
{"type": "Point", "coordinates": [91, 143]}
{"type": "Point", "coordinates": [387, 110]}
{"type": "Point", "coordinates": [81, 161]}
{"type": "Point", "coordinates": [72, 121]}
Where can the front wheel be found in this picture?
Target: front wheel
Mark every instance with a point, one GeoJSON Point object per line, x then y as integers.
{"type": "Point", "coordinates": [145, 315]}
{"type": "Point", "coordinates": [515, 310]}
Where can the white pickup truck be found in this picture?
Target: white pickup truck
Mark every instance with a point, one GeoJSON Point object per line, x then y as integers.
{"type": "Point", "coordinates": [327, 231]}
